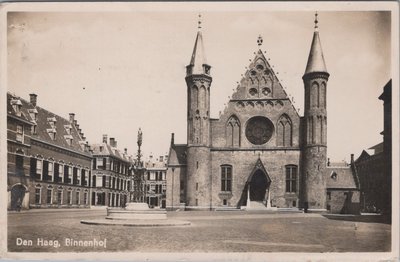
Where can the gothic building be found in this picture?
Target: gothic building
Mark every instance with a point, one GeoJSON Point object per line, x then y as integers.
{"type": "Point", "coordinates": [374, 165]}
{"type": "Point", "coordinates": [260, 151]}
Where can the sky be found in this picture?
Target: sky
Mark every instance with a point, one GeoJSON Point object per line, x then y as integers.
{"type": "Point", "coordinates": [118, 71]}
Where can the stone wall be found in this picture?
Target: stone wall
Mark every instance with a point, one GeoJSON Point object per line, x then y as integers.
{"type": "Point", "coordinates": [343, 201]}
{"type": "Point", "coordinates": [243, 163]}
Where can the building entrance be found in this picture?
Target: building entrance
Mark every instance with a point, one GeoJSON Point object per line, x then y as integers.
{"type": "Point", "coordinates": [259, 185]}
{"type": "Point", "coordinates": [17, 196]}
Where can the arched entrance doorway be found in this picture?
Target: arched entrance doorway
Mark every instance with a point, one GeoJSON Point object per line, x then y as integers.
{"type": "Point", "coordinates": [259, 184]}
{"type": "Point", "coordinates": [17, 196]}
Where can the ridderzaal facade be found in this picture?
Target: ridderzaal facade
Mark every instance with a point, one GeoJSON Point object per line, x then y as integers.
{"type": "Point", "coordinates": [260, 152]}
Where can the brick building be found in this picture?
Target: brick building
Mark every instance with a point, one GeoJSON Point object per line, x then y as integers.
{"type": "Point", "coordinates": [342, 188]}
{"type": "Point", "coordinates": [260, 147]}
{"type": "Point", "coordinates": [374, 166]}
{"type": "Point", "coordinates": [155, 181]}
{"type": "Point", "coordinates": [112, 174]}
{"type": "Point", "coordinates": [49, 160]}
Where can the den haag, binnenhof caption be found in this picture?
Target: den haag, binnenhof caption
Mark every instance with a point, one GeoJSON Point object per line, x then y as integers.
{"type": "Point", "coordinates": [67, 242]}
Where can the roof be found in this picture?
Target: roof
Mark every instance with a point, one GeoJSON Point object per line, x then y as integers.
{"type": "Point", "coordinates": [177, 155]}
{"type": "Point", "coordinates": [44, 128]}
{"type": "Point", "coordinates": [104, 149]}
{"type": "Point", "coordinates": [316, 61]}
{"type": "Point", "coordinates": [11, 99]}
{"type": "Point", "coordinates": [370, 152]}
{"type": "Point", "coordinates": [154, 164]}
{"type": "Point", "coordinates": [198, 58]}
{"type": "Point", "coordinates": [378, 148]}
{"type": "Point", "coordinates": [340, 177]}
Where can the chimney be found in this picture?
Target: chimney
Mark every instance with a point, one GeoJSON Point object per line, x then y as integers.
{"type": "Point", "coordinates": [112, 142]}
{"type": "Point", "coordinates": [33, 99]}
{"type": "Point", "coordinates": [75, 122]}
{"type": "Point", "coordinates": [172, 138]}
{"type": "Point", "coordinates": [352, 158]}
{"type": "Point", "coordinates": [71, 118]}
{"type": "Point", "coordinates": [105, 139]}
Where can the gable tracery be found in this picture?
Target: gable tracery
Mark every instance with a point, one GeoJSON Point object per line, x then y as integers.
{"type": "Point", "coordinates": [260, 80]}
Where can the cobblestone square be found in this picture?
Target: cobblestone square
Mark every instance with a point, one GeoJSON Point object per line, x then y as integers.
{"type": "Point", "coordinates": [218, 231]}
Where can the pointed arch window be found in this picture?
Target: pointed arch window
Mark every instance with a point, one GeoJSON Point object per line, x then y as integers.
{"type": "Point", "coordinates": [233, 131]}
{"type": "Point", "coordinates": [314, 95]}
{"type": "Point", "coordinates": [195, 96]}
{"type": "Point", "coordinates": [323, 94]}
{"type": "Point", "coordinates": [284, 132]}
{"type": "Point", "coordinates": [202, 103]}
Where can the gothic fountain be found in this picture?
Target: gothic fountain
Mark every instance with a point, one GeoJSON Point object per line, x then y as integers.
{"type": "Point", "coordinates": [137, 211]}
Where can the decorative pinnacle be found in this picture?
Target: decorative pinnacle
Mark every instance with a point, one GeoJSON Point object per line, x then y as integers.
{"type": "Point", "coordinates": [259, 40]}
{"type": "Point", "coordinates": [140, 137]}
{"type": "Point", "coordinates": [199, 22]}
{"type": "Point", "coordinates": [316, 21]}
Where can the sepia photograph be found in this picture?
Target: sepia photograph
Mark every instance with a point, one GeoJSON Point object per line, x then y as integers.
{"type": "Point", "coordinates": [234, 131]}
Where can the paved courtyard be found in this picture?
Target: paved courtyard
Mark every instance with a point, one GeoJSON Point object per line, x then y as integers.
{"type": "Point", "coordinates": [219, 231]}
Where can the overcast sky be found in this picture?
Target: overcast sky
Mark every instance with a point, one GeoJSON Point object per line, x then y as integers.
{"type": "Point", "coordinates": [118, 71]}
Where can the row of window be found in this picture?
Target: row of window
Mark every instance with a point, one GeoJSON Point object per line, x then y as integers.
{"type": "Point", "coordinates": [157, 189]}
{"type": "Point", "coordinates": [156, 176]}
{"type": "Point", "coordinates": [290, 173]}
{"type": "Point", "coordinates": [58, 172]}
{"type": "Point", "coordinates": [114, 199]}
{"type": "Point", "coordinates": [110, 182]}
{"type": "Point", "coordinates": [58, 198]}
{"type": "Point", "coordinates": [115, 165]}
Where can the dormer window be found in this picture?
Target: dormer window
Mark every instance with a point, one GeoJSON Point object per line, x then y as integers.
{"type": "Point", "coordinates": [68, 138]}
{"type": "Point", "coordinates": [334, 175]}
{"type": "Point", "coordinates": [52, 133]}
{"type": "Point", "coordinates": [52, 122]}
{"type": "Point", "coordinates": [68, 129]}
{"type": "Point", "coordinates": [17, 106]}
{"type": "Point", "coordinates": [52, 130]}
{"type": "Point", "coordinates": [33, 114]}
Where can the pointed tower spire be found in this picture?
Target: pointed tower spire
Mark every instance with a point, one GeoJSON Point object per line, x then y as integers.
{"type": "Point", "coordinates": [316, 61]}
{"type": "Point", "coordinates": [198, 62]}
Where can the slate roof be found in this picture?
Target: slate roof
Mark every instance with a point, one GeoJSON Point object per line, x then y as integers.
{"type": "Point", "coordinates": [177, 155]}
{"type": "Point", "coordinates": [105, 149]}
{"type": "Point", "coordinates": [316, 61]}
{"type": "Point", "coordinates": [198, 58]}
{"type": "Point", "coordinates": [43, 125]}
{"type": "Point", "coordinates": [378, 148]}
{"type": "Point", "coordinates": [153, 164]}
{"type": "Point", "coordinates": [344, 178]}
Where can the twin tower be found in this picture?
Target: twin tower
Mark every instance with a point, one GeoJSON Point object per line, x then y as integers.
{"type": "Point", "coordinates": [202, 176]}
